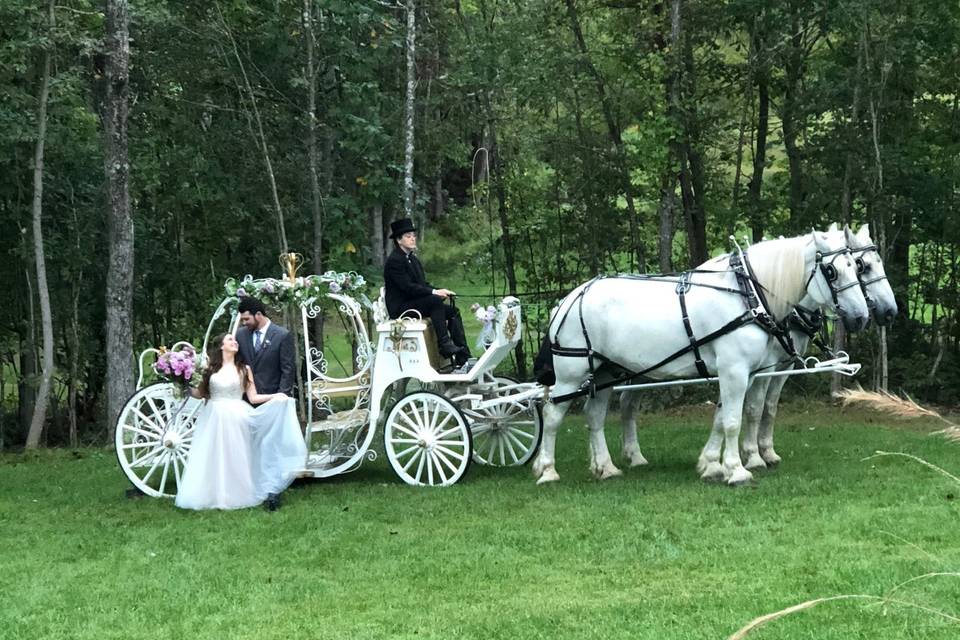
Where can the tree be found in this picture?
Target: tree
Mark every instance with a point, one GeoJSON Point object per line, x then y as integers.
{"type": "Point", "coordinates": [43, 291]}
{"type": "Point", "coordinates": [119, 299]}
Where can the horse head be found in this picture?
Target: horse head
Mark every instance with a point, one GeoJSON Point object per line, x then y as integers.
{"type": "Point", "coordinates": [833, 281]}
{"type": "Point", "coordinates": [873, 277]}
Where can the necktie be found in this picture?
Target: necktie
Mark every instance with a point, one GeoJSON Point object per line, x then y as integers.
{"type": "Point", "coordinates": [256, 340]}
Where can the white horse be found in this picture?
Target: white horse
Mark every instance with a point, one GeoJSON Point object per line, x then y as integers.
{"type": "Point", "coordinates": [762, 399]}
{"type": "Point", "coordinates": [635, 323]}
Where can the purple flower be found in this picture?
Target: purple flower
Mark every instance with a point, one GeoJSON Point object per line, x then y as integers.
{"type": "Point", "coordinates": [334, 287]}
{"type": "Point", "coordinates": [241, 292]}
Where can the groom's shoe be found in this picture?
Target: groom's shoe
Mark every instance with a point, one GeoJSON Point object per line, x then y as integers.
{"type": "Point", "coordinates": [447, 349]}
{"type": "Point", "coordinates": [272, 503]}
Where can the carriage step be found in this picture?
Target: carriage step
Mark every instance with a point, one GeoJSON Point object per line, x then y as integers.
{"type": "Point", "coordinates": [341, 420]}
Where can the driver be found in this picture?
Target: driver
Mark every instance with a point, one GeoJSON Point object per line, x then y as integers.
{"type": "Point", "coordinates": [406, 288]}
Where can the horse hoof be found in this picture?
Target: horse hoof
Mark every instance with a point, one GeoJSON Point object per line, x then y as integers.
{"type": "Point", "coordinates": [610, 471]}
{"type": "Point", "coordinates": [712, 472]}
{"type": "Point", "coordinates": [755, 463]}
{"type": "Point", "coordinates": [538, 467]}
{"type": "Point", "coordinates": [549, 475]}
{"type": "Point", "coordinates": [738, 477]}
{"type": "Point", "coordinates": [636, 459]}
{"type": "Point", "coordinates": [771, 458]}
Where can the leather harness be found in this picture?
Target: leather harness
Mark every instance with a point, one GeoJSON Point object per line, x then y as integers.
{"type": "Point", "coordinates": [748, 288]}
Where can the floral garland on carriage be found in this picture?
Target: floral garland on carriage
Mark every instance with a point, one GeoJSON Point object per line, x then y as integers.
{"type": "Point", "coordinates": [301, 290]}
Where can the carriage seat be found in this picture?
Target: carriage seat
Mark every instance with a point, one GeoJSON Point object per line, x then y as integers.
{"type": "Point", "coordinates": [381, 315]}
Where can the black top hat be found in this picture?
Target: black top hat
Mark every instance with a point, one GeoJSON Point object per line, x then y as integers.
{"type": "Point", "coordinates": [400, 227]}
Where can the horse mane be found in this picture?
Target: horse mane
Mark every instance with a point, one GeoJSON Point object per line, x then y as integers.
{"type": "Point", "coordinates": [778, 265]}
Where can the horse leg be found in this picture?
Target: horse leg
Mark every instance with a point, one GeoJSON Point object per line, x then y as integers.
{"type": "Point", "coordinates": [770, 404]}
{"type": "Point", "coordinates": [629, 400]}
{"type": "Point", "coordinates": [733, 387]}
{"type": "Point", "coordinates": [544, 465]}
{"type": "Point", "coordinates": [708, 465]}
{"type": "Point", "coordinates": [601, 466]}
{"type": "Point", "coordinates": [752, 411]}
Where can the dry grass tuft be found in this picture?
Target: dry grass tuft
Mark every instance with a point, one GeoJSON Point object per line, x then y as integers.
{"type": "Point", "coordinates": [758, 622]}
{"type": "Point", "coordinates": [905, 408]}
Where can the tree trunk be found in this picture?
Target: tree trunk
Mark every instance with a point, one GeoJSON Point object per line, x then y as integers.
{"type": "Point", "coordinates": [792, 118]}
{"type": "Point", "coordinates": [316, 201]}
{"type": "Point", "coordinates": [846, 196]}
{"type": "Point", "coordinates": [668, 186]}
{"type": "Point", "coordinates": [316, 205]}
{"type": "Point", "coordinates": [408, 120]}
{"type": "Point", "coordinates": [696, 215]}
{"type": "Point", "coordinates": [74, 342]}
{"type": "Point", "coordinates": [119, 294]}
{"type": "Point", "coordinates": [672, 171]}
{"type": "Point", "coordinates": [26, 388]}
{"type": "Point", "coordinates": [377, 248]}
{"type": "Point", "coordinates": [762, 75]}
{"type": "Point", "coordinates": [43, 291]}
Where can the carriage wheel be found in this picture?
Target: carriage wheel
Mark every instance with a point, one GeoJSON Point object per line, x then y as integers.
{"type": "Point", "coordinates": [427, 440]}
{"type": "Point", "coordinates": [153, 438]}
{"type": "Point", "coordinates": [506, 435]}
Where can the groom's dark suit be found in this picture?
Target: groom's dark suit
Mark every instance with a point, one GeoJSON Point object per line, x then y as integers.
{"type": "Point", "coordinates": [273, 364]}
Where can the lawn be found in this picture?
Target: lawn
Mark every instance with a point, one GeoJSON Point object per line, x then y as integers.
{"type": "Point", "coordinates": [655, 554]}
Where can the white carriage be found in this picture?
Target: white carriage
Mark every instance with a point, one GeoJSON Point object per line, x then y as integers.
{"type": "Point", "coordinates": [435, 419]}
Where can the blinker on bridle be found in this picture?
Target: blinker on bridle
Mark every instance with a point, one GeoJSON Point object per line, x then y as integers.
{"type": "Point", "coordinates": [830, 273]}
{"type": "Point", "coordinates": [861, 269]}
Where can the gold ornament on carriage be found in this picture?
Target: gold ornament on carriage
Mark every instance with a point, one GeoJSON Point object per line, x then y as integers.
{"type": "Point", "coordinates": [510, 326]}
{"type": "Point", "coordinates": [291, 263]}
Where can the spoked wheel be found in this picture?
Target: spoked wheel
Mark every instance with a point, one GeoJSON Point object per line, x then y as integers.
{"type": "Point", "coordinates": [153, 438]}
{"type": "Point", "coordinates": [427, 440]}
{"type": "Point", "coordinates": [507, 434]}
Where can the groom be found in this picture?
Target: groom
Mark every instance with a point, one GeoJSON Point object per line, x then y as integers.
{"type": "Point", "coordinates": [268, 349]}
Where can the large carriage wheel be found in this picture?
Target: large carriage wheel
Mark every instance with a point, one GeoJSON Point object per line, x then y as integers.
{"type": "Point", "coordinates": [507, 434]}
{"type": "Point", "coordinates": [153, 438]}
{"type": "Point", "coordinates": [427, 440]}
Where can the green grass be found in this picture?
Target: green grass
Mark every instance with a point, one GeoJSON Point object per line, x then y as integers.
{"type": "Point", "coordinates": [655, 554]}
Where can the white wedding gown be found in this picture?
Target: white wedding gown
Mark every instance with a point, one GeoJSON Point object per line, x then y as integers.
{"type": "Point", "coordinates": [240, 454]}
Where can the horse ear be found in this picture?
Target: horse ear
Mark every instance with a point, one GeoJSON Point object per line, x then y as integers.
{"type": "Point", "coordinates": [849, 235]}
{"type": "Point", "coordinates": [832, 228]}
{"type": "Point", "coordinates": [864, 231]}
{"type": "Point", "coordinates": [819, 239]}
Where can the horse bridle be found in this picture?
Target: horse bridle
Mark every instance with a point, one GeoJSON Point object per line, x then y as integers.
{"type": "Point", "coordinates": [830, 273]}
{"type": "Point", "coordinates": [861, 267]}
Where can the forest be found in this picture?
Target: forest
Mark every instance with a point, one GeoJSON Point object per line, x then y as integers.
{"type": "Point", "coordinates": [154, 149]}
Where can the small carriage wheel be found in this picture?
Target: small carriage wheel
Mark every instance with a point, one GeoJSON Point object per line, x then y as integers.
{"type": "Point", "coordinates": [427, 440]}
{"type": "Point", "coordinates": [506, 435]}
{"type": "Point", "coordinates": [153, 438]}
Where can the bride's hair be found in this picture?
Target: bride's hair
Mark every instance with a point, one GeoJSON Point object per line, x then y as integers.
{"type": "Point", "coordinates": [215, 363]}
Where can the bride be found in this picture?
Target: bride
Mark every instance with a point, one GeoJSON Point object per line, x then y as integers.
{"type": "Point", "coordinates": [241, 455]}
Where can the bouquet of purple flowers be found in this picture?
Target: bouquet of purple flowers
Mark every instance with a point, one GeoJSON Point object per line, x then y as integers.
{"type": "Point", "coordinates": [178, 367]}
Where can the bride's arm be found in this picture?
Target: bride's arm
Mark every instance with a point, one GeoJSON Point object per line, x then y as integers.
{"type": "Point", "coordinates": [259, 398]}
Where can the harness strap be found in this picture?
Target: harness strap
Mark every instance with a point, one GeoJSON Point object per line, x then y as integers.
{"type": "Point", "coordinates": [682, 287]}
{"type": "Point", "coordinates": [733, 325]}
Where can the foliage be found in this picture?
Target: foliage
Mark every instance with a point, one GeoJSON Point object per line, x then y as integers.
{"type": "Point", "coordinates": [539, 162]}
